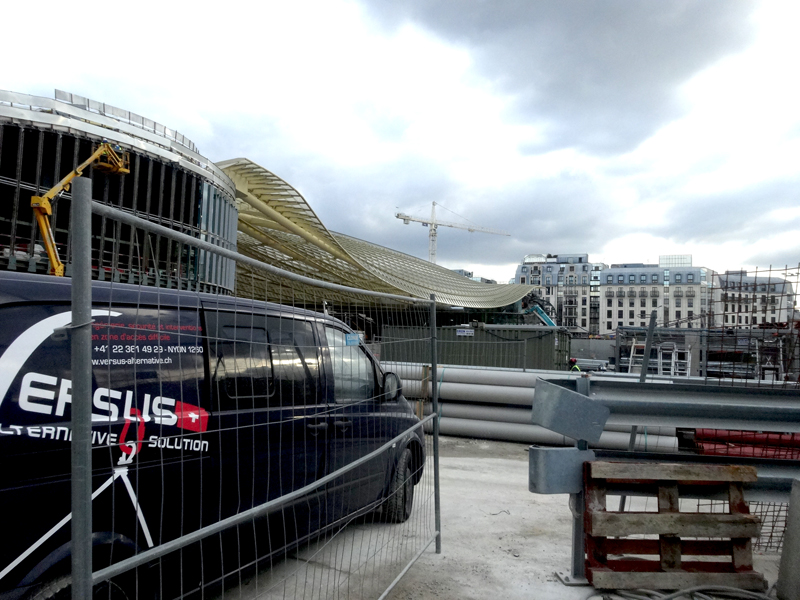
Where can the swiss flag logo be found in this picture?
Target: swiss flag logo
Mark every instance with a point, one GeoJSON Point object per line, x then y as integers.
{"type": "Point", "coordinates": [191, 417]}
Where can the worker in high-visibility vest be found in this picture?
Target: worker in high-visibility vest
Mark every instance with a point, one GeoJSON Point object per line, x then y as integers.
{"type": "Point", "coordinates": [573, 364]}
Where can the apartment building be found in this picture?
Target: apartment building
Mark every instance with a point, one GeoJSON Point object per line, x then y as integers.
{"type": "Point", "coordinates": [679, 293]}
{"type": "Point", "coordinates": [568, 285]}
{"type": "Point", "coordinates": [743, 300]}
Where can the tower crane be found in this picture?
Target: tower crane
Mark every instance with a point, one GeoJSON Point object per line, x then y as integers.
{"type": "Point", "coordinates": [433, 224]}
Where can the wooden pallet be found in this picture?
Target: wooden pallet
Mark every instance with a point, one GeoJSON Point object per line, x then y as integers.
{"type": "Point", "coordinates": [615, 561]}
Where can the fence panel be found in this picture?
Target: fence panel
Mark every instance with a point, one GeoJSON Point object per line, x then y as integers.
{"type": "Point", "coordinates": [248, 446]}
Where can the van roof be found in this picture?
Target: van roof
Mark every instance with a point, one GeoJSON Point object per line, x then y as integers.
{"type": "Point", "coordinates": [25, 288]}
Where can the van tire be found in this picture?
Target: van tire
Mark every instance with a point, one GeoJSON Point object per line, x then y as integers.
{"type": "Point", "coordinates": [401, 493]}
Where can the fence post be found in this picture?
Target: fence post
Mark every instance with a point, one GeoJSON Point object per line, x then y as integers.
{"type": "Point", "coordinates": [435, 403]}
{"type": "Point", "coordinates": [80, 329]}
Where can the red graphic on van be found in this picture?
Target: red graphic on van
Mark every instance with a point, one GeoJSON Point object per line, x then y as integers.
{"type": "Point", "coordinates": [128, 448]}
{"type": "Point", "coordinates": [191, 417]}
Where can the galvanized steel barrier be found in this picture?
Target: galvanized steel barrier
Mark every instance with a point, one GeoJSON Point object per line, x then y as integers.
{"type": "Point", "coordinates": [83, 577]}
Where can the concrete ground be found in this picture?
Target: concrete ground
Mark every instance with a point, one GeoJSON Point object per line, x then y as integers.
{"type": "Point", "coordinates": [498, 541]}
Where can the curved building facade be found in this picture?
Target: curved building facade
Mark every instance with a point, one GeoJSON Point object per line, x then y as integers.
{"type": "Point", "coordinates": [42, 140]}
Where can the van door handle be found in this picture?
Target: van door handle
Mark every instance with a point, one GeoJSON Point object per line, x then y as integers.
{"type": "Point", "coordinates": [343, 423]}
{"type": "Point", "coordinates": [317, 426]}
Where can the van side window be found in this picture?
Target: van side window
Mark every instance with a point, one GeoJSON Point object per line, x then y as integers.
{"type": "Point", "coordinates": [353, 371]}
{"type": "Point", "coordinates": [240, 362]}
{"type": "Point", "coordinates": [295, 359]}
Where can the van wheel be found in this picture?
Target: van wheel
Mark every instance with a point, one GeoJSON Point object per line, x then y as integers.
{"type": "Point", "coordinates": [61, 589]}
{"type": "Point", "coordinates": [401, 493]}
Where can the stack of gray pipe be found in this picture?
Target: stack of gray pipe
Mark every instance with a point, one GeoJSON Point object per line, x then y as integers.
{"type": "Point", "coordinates": [496, 404]}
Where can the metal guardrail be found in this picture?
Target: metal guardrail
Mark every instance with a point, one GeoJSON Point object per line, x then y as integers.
{"type": "Point", "coordinates": [696, 405]}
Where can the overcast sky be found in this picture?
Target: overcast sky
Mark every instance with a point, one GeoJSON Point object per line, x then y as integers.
{"type": "Point", "coordinates": [621, 129]}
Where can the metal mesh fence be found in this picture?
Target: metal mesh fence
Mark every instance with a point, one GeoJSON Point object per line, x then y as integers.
{"type": "Point", "coordinates": [248, 448]}
{"type": "Point", "coordinates": [739, 328]}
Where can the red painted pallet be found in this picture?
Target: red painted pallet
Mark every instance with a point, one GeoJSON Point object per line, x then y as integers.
{"type": "Point", "coordinates": [616, 561]}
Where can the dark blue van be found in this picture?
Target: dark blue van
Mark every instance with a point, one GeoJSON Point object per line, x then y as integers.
{"type": "Point", "coordinates": [203, 407]}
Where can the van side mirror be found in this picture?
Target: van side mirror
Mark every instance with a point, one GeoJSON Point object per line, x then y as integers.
{"type": "Point", "coordinates": [392, 387]}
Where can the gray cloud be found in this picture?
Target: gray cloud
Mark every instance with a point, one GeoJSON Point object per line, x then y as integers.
{"type": "Point", "coordinates": [599, 76]}
{"type": "Point", "coordinates": [733, 215]}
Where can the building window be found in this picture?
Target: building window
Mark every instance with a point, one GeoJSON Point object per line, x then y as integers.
{"type": "Point", "coordinates": [620, 278]}
{"type": "Point", "coordinates": [655, 278]}
{"type": "Point", "coordinates": [583, 322]}
{"type": "Point", "coordinates": [619, 323]}
{"type": "Point", "coordinates": [619, 303]}
{"type": "Point", "coordinates": [631, 303]}
{"type": "Point", "coordinates": [583, 301]}
{"type": "Point", "coordinates": [585, 280]}
{"type": "Point", "coordinates": [678, 278]}
{"type": "Point", "coordinates": [585, 267]}
{"type": "Point", "coordinates": [630, 314]}
{"type": "Point", "coordinates": [631, 278]}
{"type": "Point", "coordinates": [561, 279]}
{"type": "Point", "coordinates": [642, 278]}
{"type": "Point", "coordinates": [572, 269]}
{"type": "Point", "coordinates": [690, 277]}
{"type": "Point", "coordinates": [677, 314]}
{"type": "Point", "coordinates": [690, 302]}
{"type": "Point", "coordinates": [609, 279]}
{"type": "Point", "coordinates": [666, 301]}
{"type": "Point", "coordinates": [608, 314]}
{"type": "Point", "coordinates": [583, 312]}
{"type": "Point", "coordinates": [619, 314]}
{"type": "Point", "coordinates": [547, 281]}
{"type": "Point", "coordinates": [641, 324]}
{"type": "Point", "coordinates": [609, 302]}
{"type": "Point", "coordinates": [643, 303]}
{"type": "Point", "coordinates": [549, 269]}
{"type": "Point", "coordinates": [654, 303]}
{"type": "Point", "coordinates": [522, 279]}
{"type": "Point", "coordinates": [524, 269]}
{"type": "Point", "coordinates": [677, 302]}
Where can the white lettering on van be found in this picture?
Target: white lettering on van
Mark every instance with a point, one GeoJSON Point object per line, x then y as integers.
{"type": "Point", "coordinates": [126, 412]}
{"type": "Point", "coordinates": [28, 391]}
{"type": "Point", "coordinates": [64, 396]}
{"type": "Point", "coordinates": [42, 393]}
{"type": "Point", "coordinates": [146, 409]}
{"type": "Point", "coordinates": [110, 408]}
{"type": "Point", "coordinates": [194, 445]}
{"type": "Point", "coordinates": [161, 414]}
{"type": "Point", "coordinates": [29, 340]}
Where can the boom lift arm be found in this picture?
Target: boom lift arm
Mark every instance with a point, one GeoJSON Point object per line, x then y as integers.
{"type": "Point", "coordinates": [108, 159]}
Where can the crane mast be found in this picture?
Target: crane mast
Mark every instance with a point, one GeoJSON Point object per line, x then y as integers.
{"type": "Point", "coordinates": [433, 225]}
